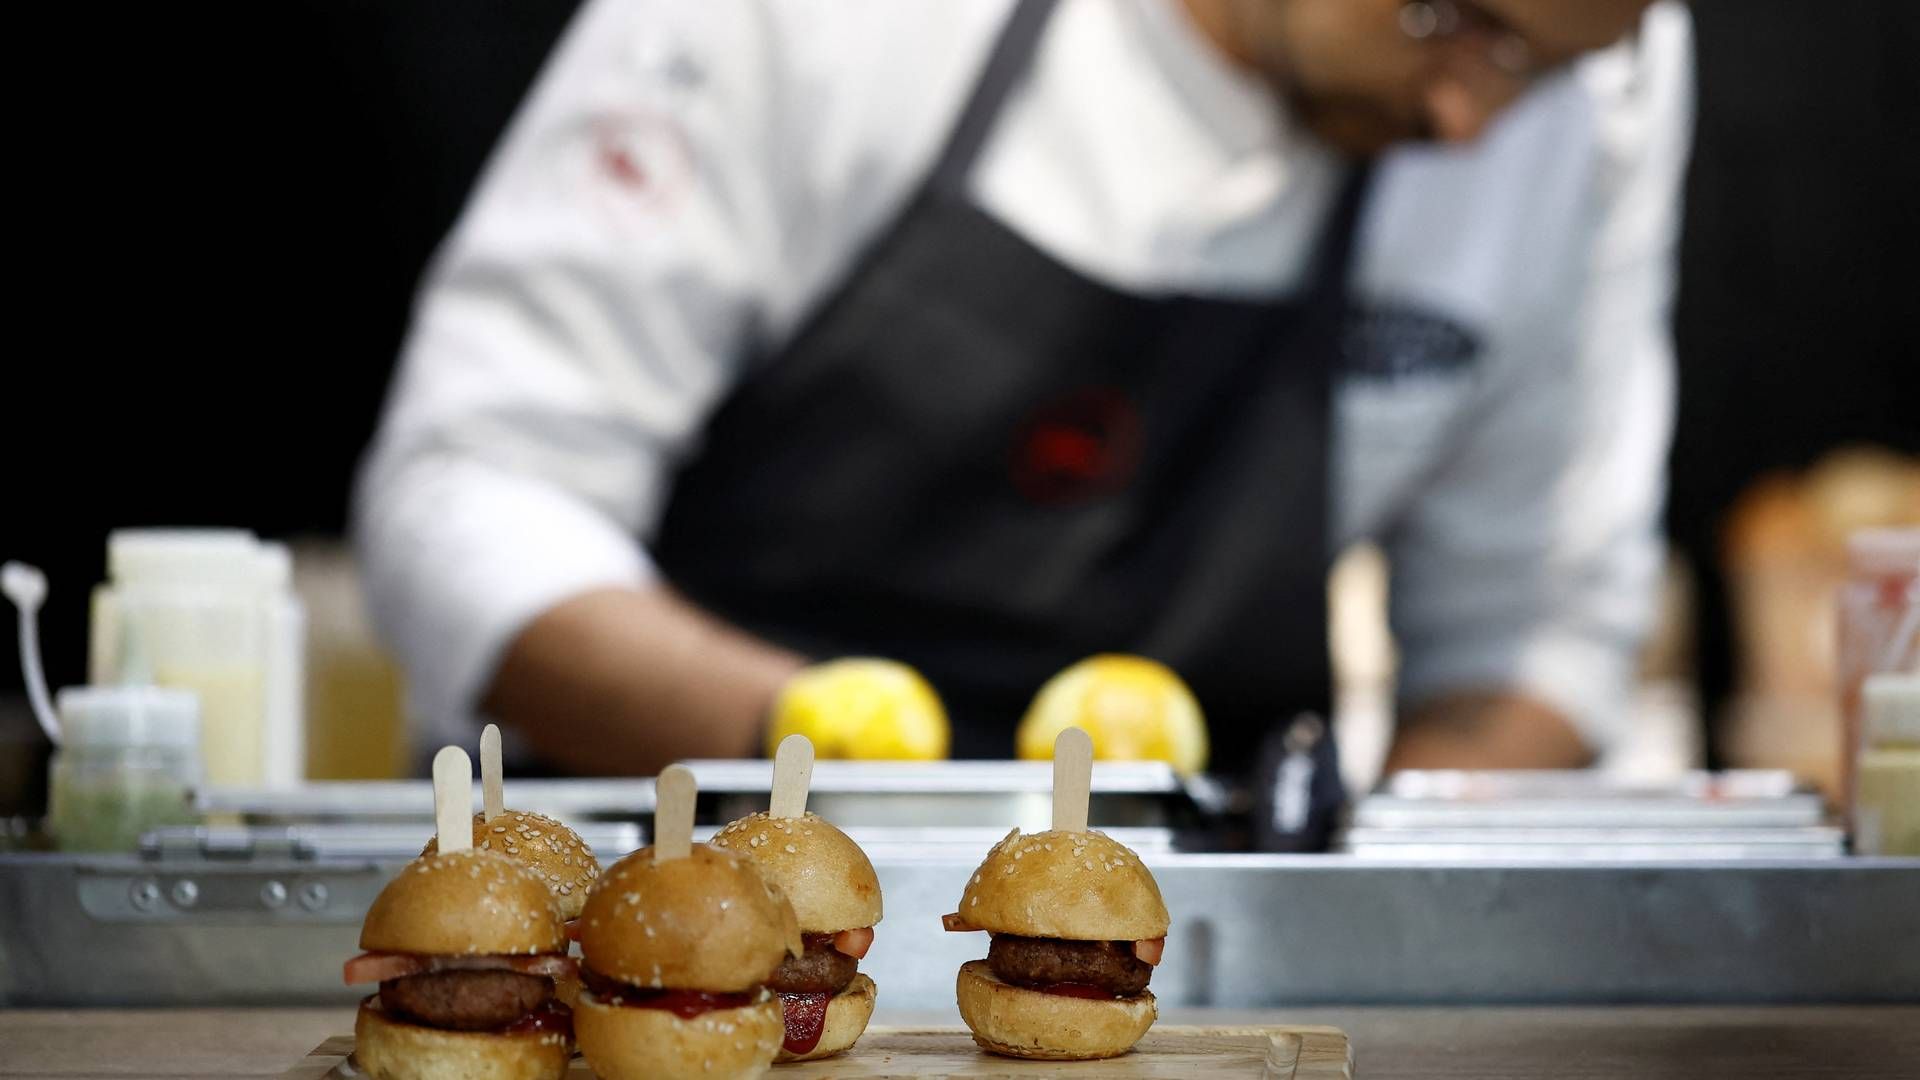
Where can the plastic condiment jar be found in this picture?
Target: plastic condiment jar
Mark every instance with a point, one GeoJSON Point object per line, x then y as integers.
{"type": "Point", "coordinates": [214, 612]}
{"type": "Point", "coordinates": [1886, 811]}
{"type": "Point", "coordinates": [129, 759]}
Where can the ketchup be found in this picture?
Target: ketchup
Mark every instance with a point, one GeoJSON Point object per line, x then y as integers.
{"type": "Point", "coordinates": [806, 1019]}
{"type": "Point", "coordinates": [686, 1004]}
{"type": "Point", "coordinates": [1078, 990]}
{"type": "Point", "coordinates": [552, 1018]}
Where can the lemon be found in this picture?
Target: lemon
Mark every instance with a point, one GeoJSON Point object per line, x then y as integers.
{"type": "Point", "coordinates": [861, 707]}
{"type": "Point", "coordinates": [1134, 709]}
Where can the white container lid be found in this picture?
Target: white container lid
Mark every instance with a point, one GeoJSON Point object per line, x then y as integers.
{"type": "Point", "coordinates": [180, 556]}
{"type": "Point", "coordinates": [129, 717]}
{"type": "Point", "coordinates": [1891, 703]}
{"type": "Point", "coordinates": [1885, 551]}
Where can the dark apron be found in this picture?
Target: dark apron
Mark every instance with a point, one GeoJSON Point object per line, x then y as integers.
{"type": "Point", "coordinates": [980, 462]}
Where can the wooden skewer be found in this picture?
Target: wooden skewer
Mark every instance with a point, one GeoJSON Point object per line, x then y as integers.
{"type": "Point", "coordinates": [673, 797]}
{"type": "Point", "coordinates": [453, 799]}
{"type": "Point", "coordinates": [492, 800]}
{"type": "Point", "coordinates": [792, 775]}
{"type": "Point", "coordinates": [1072, 779]}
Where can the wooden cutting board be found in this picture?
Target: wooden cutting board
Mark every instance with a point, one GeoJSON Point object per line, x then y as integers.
{"type": "Point", "coordinates": [1168, 1052]}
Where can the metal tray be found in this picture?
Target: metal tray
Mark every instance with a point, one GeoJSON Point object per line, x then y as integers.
{"type": "Point", "coordinates": [974, 794]}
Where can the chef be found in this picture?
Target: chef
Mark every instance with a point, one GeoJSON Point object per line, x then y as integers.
{"type": "Point", "coordinates": [990, 335]}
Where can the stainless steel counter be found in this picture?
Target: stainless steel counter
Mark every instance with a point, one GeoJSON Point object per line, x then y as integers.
{"type": "Point", "coordinates": [1248, 931]}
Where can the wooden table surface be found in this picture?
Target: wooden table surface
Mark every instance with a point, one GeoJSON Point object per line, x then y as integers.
{"type": "Point", "coordinates": [1619, 1043]}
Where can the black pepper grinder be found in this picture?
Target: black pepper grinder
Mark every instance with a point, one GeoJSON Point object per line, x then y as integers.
{"type": "Point", "coordinates": [1297, 794]}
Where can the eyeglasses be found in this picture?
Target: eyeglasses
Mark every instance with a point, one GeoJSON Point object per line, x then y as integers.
{"type": "Point", "coordinates": [1445, 20]}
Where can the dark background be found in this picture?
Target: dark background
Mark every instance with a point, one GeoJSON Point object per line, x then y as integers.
{"type": "Point", "coordinates": [225, 207]}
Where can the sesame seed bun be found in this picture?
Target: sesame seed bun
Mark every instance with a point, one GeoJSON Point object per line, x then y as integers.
{"type": "Point", "coordinates": [847, 1014]}
{"type": "Point", "coordinates": [1082, 886]}
{"type": "Point", "coordinates": [1022, 1023]}
{"type": "Point", "coordinates": [388, 1048]}
{"type": "Point", "coordinates": [465, 903]}
{"type": "Point", "coordinates": [826, 876]}
{"type": "Point", "coordinates": [625, 1043]}
{"type": "Point", "coordinates": [706, 922]}
{"type": "Point", "coordinates": [548, 847]}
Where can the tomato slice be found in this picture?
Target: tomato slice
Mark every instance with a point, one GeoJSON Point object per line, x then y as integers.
{"type": "Point", "coordinates": [1150, 949]}
{"type": "Point", "coordinates": [379, 967]}
{"type": "Point", "coordinates": [573, 929]}
{"type": "Point", "coordinates": [854, 943]}
{"type": "Point", "coordinates": [957, 924]}
{"type": "Point", "coordinates": [806, 1019]}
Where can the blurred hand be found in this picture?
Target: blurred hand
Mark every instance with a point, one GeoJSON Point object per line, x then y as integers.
{"type": "Point", "coordinates": [1490, 730]}
{"type": "Point", "coordinates": [628, 681]}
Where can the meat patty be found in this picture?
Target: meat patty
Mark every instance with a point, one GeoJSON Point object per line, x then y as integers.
{"type": "Point", "coordinates": [822, 969]}
{"type": "Point", "coordinates": [1041, 962]}
{"type": "Point", "coordinates": [465, 1000]}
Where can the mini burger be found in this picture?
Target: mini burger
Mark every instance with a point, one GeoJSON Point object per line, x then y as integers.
{"type": "Point", "coordinates": [465, 946]}
{"type": "Point", "coordinates": [836, 898]}
{"type": "Point", "coordinates": [1077, 925]}
{"type": "Point", "coordinates": [676, 958]}
{"type": "Point", "coordinates": [557, 856]}
{"type": "Point", "coordinates": [547, 847]}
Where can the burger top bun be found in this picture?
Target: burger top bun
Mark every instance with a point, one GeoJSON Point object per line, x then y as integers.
{"type": "Point", "coordinates": [466, 903]}
{"type": "Point", "coordinates": [825, 875]}
{"type": "Point", "coordinates": [548, 847]}
{"type": "Point", "coordinates": [708, 921]}
{"type": "Point", "coordinates": [1077, 885]}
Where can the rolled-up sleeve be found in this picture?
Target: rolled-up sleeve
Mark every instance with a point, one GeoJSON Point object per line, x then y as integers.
{"type": "Point", "coordinates": [576, 329]}
{"type": "Point", "coordinates": [1532, 560]}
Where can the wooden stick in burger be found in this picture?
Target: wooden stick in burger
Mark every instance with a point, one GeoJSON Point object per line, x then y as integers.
{"type": "Point", "coordinates": [836, 897]}
{"type": "Point", "coordinates": [1077, 925]}
{"type": "Point", "coordinates": [547, 846]}
{"type": "Point", "coordinates": [678, 942]}
{"type": "Point", "coordinates": [465, 945]}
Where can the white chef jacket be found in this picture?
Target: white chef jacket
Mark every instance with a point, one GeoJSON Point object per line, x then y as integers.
{"type": "Point", "coordinates": [687, 182]}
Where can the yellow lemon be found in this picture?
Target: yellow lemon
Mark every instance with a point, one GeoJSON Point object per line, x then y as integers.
{"type": "Point", "coordinates": [862, 708]}
{"type": "Point", "coordinates": [1134, 709]}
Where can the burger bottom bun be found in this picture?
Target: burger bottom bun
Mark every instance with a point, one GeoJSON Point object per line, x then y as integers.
{"type": "Point", "coordinates": [1022, 1023]}
{"type": "Point", "coordinates": [622, 1042]}
{"type": "Point", "coordinates": [387, 1048]}
{"type": "Point", "coordinates": [847, 1014]}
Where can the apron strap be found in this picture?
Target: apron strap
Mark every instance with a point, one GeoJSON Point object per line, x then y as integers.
{"type": "Point", "coordinates": [1332, 262]}
{"type": "Point", "coordinates": [1012, 51]}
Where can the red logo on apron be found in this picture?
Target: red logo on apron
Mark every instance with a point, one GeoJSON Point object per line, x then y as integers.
{"type": "Point", "coordinates": [1076, 447]}
{"type": "Point", "coordinates": [641, 161]}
